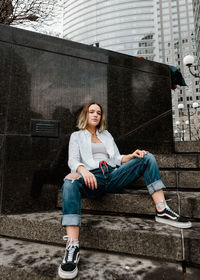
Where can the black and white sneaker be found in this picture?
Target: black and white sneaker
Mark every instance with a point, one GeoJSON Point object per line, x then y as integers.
{"type": "Point", "coordinates": [169, 217]}
{"type": "Point", "coordinates": [68, 269]}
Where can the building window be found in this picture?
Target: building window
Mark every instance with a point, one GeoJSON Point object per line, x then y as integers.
{"type": "Point", "coordinates": [197, 90]}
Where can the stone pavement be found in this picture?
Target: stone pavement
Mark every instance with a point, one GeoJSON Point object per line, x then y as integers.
{"type": "Point", "coordinates": [29, 260]}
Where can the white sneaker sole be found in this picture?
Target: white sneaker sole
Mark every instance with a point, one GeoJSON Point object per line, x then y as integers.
{"type": "Point", "coordinates": [68, 275]}
{"type": "Point", "coordinates": [173, 223]}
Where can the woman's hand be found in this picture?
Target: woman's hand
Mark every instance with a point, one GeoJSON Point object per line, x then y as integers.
{"type": "Point", "coordinates": [138, 153]}
{"type": "Point", "coordinates": [89, 178]}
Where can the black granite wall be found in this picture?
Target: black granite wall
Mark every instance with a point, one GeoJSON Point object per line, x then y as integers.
{"type": "Point", "coordinates": [47, 78]}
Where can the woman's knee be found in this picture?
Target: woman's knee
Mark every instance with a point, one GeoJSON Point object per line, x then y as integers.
{"type": "Point", "coordinates": [150, 157]}
{"type": "Point", "coordinates": [72, 176]}
{"type": "Point", "coordinates": [69, 185]}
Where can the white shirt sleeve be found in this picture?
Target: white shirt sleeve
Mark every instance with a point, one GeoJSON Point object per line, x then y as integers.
{"type": "Point", "coordinates": [117, 156]}
{"type": "Point", "coordinates": [74, 158]}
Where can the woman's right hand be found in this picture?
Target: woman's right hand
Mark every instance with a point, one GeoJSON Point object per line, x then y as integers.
{"type": "Point", "coordinates": [89, 178]}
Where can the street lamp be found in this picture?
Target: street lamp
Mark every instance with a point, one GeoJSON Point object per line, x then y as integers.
{"type": "Point", "coordinates": [180, 125]}
{"type": "Point", "coordinates": [180, 129]}
{"type": "Point", "coordinates": [195, 105]}
{"type": "Point", "coordinates": [188, 61]}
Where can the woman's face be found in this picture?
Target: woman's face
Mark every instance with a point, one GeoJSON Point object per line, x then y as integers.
{"type": "Point", "coordinates": [94, 115]}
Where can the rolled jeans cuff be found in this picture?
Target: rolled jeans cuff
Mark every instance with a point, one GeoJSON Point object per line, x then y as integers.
{"type": "Point", "coordinates": [71, 220]}
{"type": "Point", "coordinates": [155, 186]}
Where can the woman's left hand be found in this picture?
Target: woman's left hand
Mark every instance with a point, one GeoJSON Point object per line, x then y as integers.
{"type": "Point", "coordinates": [138, 153]}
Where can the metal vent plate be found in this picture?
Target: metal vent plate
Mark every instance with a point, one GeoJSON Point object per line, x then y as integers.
{"type": "Point", "coordinates": [45, 128]}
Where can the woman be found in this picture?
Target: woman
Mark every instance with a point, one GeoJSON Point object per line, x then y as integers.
{"type": "Point", "coordinates": [93, 157]}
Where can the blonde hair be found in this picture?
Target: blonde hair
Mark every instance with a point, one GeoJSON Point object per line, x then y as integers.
{"type": "Point", "coordinates": [83, 118]}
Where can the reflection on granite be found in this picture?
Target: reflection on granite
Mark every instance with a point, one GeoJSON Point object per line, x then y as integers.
{"type": "Point", "coordinates": [48, 78]}
{"type": "Point", "coordinates": [141, 110]}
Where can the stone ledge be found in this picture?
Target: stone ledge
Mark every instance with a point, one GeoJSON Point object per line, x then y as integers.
{"type": "Point", "coordinates": [142, 237]}
{"type": "Point", "coordinates": [187, 146]}
{"type": "Point", "coordinates": [140, 202]}
{"type": "Point", "coordinates": [189, 179]}
{"type": "Point", "coordinates": [178, 160]}
{"type": "Point", "coordinates": [21, 260]}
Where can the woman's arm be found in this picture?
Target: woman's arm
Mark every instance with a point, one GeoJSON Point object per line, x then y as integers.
{"type": "Point", "coordinates": [89, 178]}
{"type": "Point", "coordinates": [137, 153]}
{"type": "Point", "coordinates": [76, 165]}
{"type": "Point", "coordinates": [74, 160]}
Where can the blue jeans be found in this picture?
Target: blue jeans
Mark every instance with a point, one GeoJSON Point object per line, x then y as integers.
{"type": "Point", "coordinates": [112, 181]}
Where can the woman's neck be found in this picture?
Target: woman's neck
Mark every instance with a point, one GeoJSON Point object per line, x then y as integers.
{"type": "Point", "coordinates": [92, 130]}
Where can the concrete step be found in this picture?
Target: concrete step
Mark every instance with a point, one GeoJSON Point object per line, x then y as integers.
{"type": "Point", "coordinates": [140, 202]}
{"type": "Point", "coordinates": [178, 161]}
{"type": "Point", "coordinates": [135, 236]}
{"type": "Point", "coordinates": [183, 179]}
{"type": "Point", "coordinates": [29, 260]}
{"type": "Point", "coordinates": [187, 146]}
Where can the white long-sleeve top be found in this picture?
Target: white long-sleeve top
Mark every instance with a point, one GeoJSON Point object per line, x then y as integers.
{"type": "Point", "coordinates": [80, 150]}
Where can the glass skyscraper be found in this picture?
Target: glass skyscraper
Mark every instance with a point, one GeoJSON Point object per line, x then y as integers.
{"type": "Point", "coordinates": [120, 25]}
{"type": "Point", "coordinates": [158, 30]}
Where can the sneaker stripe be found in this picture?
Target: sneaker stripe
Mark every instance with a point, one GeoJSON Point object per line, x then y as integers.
{"type": "Point", "coordinates": [165, 214]}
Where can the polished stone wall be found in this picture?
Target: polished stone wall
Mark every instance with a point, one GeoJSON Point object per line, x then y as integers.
{"type": "Point", "coordinates": [46, 78]}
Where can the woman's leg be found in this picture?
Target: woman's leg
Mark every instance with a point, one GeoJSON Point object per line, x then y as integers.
{"type": "Point", "coordinates": [132, 170]}
{"type": "Point", "coordinates": [71, 205]}
{"type": "Point", "coordinates": [73, 232]}
{"type": "Point", "coordinates": [147, 167]}
{"type": "Point", "coordinates": [159, 200]}
{"type": "Point", "coordinates": [73, 190]}
{"type": "Point", "coordinates": [71, 202]}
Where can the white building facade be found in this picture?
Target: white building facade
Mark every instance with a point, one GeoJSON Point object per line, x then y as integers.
{"type": "Point", "coordinates": [176, 39]}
